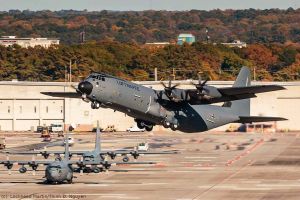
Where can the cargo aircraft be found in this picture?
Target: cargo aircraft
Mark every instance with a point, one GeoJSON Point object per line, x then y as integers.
{"type": "Point", "coordinates": [61, 170]}
{"type": "Point", "coordinates": [186, 110]}
{"type": "Point", "coordinates": [97, 154]}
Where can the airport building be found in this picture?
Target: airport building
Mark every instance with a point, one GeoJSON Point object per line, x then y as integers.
{"type": "Point", "coordinates": [23, 107]}
{"type": "Point", "coordinates": [236, 43]}
{"type": "Point", "coordinates": [186, 38]}
{"type": "Point", "coordinates": [28, 42]}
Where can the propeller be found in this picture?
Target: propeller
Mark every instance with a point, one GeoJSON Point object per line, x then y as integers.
{"type": "Point", "coordinates": [200, 86]}
{"type": "Point", "coordinates": [169, 90]}
{"type": "Point", "coordinates": [34, 166]}
{"type": "Point", "coordinates": [8, 164]}
{"type": "Point", "coordinates": [80, 167]}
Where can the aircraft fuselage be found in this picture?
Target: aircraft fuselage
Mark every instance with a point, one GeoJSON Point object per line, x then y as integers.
{"type": "Point", "coordinates": [141, 103]}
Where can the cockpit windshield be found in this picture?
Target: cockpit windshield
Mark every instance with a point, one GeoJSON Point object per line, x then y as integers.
{"type": "Point", "coordinates": [99, 77]}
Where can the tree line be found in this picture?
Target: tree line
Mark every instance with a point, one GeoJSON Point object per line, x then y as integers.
{"type": "Point", "coordinates": [251, 26]}
{"type": "Point", "coordinates": [136, 62]}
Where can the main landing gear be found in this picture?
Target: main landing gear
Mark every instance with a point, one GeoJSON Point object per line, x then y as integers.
{"type": "Point", "coordinates": [146, 125]}
{"type": "Point", "coordinates": [173, 126]}
{"type": "Point", "coordinates": [95, 105]}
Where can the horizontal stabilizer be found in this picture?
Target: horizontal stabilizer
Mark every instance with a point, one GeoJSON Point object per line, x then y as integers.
{"type": "Point", "coordinates": [249, 89]}
{"type": "Point", "coordinates": [62, 94]}
{"type": "Point", "coordinates": [250, 119]}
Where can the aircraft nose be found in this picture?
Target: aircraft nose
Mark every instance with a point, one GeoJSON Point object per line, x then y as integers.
{"type": "Point", "coordinates": [85, 87]}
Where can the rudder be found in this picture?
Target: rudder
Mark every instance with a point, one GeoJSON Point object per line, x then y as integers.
{"type": "Point", "coordinates": [241, 107]}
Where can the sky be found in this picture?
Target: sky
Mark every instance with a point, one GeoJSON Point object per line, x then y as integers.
{"type": "Point", "coordinates": [137, 5]}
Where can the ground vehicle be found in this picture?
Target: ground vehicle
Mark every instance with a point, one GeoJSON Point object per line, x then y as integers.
{"type": "Point", "coordinates": [135, 129]}
{"type": "Point", "coordinates": [2, 143]}
{"type": "Point", "coordinates": [110, 128]}
{"type": "Point", "coordinates": [47, 138]}
{"type": "Point", "coordinates": [57, 127]}
{"type": "Point", "coordinates": [39, 129]}
{"type": "Point", "coordinates": [70, 141]}
{"type": "Point", "coordinates": [143, 146]}
{"type": "Point", "coordinates": [45, 132]}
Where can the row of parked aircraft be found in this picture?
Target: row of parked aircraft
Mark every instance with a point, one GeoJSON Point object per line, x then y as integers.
{"type": "Point", "coordinates": [92, 161]}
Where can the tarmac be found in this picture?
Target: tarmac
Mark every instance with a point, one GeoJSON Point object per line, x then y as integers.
{"type": "Point", "coordinates": [211, 165]}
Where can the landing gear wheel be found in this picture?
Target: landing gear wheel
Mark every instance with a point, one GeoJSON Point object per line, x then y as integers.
{"type": "Point", "coordinates": [97, 170]}
{"type": "Point", "coordinates": [140, 125]}
{"type": "Point", "coordinates": [166, 124]}
{"type": "Point", "coordinates": [174, 127]}
{"type": "Point", "coordinates": [70, 181]}
{"type": "Point", "coordinates": [95, 105]}
{"type": "Point", "coordinates": [125, 159]}
{"type": "Point", "coordinates": [23, 170]}
{"type": "Point", "coordinates": [149, 128]}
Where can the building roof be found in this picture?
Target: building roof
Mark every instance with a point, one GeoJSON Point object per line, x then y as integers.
{"type": "Point", "coordinates": [16, 38]}
{"type": "Point", "coordinates": [186, 35]}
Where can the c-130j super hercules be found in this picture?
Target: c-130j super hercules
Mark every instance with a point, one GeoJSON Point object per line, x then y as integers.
{"type": "Point", "coordinates": [186, 110]}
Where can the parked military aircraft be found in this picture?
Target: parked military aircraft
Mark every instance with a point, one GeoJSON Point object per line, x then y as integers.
{"type": "Point", "coordinates": [61, 170]}
{"type": "Point", "coordinates": [187, 110]}
{"type": "Point", "coordinates": [97, 154]}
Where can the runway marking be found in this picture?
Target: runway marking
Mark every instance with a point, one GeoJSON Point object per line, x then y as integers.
{"type": "Point", "coordinates": [201, 157]}
{"type": "Point", "coordinates": [278, 185]}
{"type": "Point", "coordinates": [96, 185]}
{"type": "Point", "coordinates": [155, 183]}
{"type": "Point", "coordinates": [7, 184]}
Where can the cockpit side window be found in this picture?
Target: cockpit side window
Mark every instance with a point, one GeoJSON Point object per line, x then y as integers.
{"type": "Point", "coordinates": [103, 79]}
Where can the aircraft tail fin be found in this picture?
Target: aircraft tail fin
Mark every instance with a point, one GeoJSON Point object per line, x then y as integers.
{"type": "Point", "coordinates": [67, 148]}
{"type": "Point", "coordinates": [98, 138]}
{"type": "Point", "coordinates": [241, 107]}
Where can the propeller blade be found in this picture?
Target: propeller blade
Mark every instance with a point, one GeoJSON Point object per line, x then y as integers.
{"type": "Point", "coordinates": [9, 172]}
{"type": "Point", "coordinates": [163, 84]}
{"type": "Point", "coordinates": [33, 172]}
{"type": "Point", "coordinates": [203, 84]}
{"type": "Point", "coordinates": [81, 172]}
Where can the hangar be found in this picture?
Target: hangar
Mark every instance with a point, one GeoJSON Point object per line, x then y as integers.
{"type": "Point", "coordinates": [23, 107]}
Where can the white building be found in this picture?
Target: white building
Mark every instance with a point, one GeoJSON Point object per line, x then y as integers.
{"type": "Point", "coordinates": [28, 42]}
{"type": "Point", "coordinates": [23, 107]}
{"type": "Point", "coordinates": [236, 43]}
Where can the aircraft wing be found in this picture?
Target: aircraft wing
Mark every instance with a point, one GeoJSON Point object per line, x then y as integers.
{"type": "Point", "coordinates": [132, 152]}
{"type": "Point", "coordinates": [232, 93]}
{"type": "Point", "coordinates": [43, 152]}
{"type": "Point", "coordinates": [25, 162]}
{"type": "Point", "coordinates": [84, 163]}
{"type": "Point", "coordinates": [63, 94]}
{"type": "Point", "coordinates": [250, 119]}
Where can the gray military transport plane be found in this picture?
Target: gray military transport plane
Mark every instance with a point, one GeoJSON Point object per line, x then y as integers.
{"type": "Point", "coordinates": [61, 170]}
{"type": "Point", "coordinates": [97, 154]}
{"type": "Point", "coordinates": [186, 110]}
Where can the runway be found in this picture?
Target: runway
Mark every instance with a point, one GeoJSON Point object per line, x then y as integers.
{"type": "Point", "coordinates": [211, 165]}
